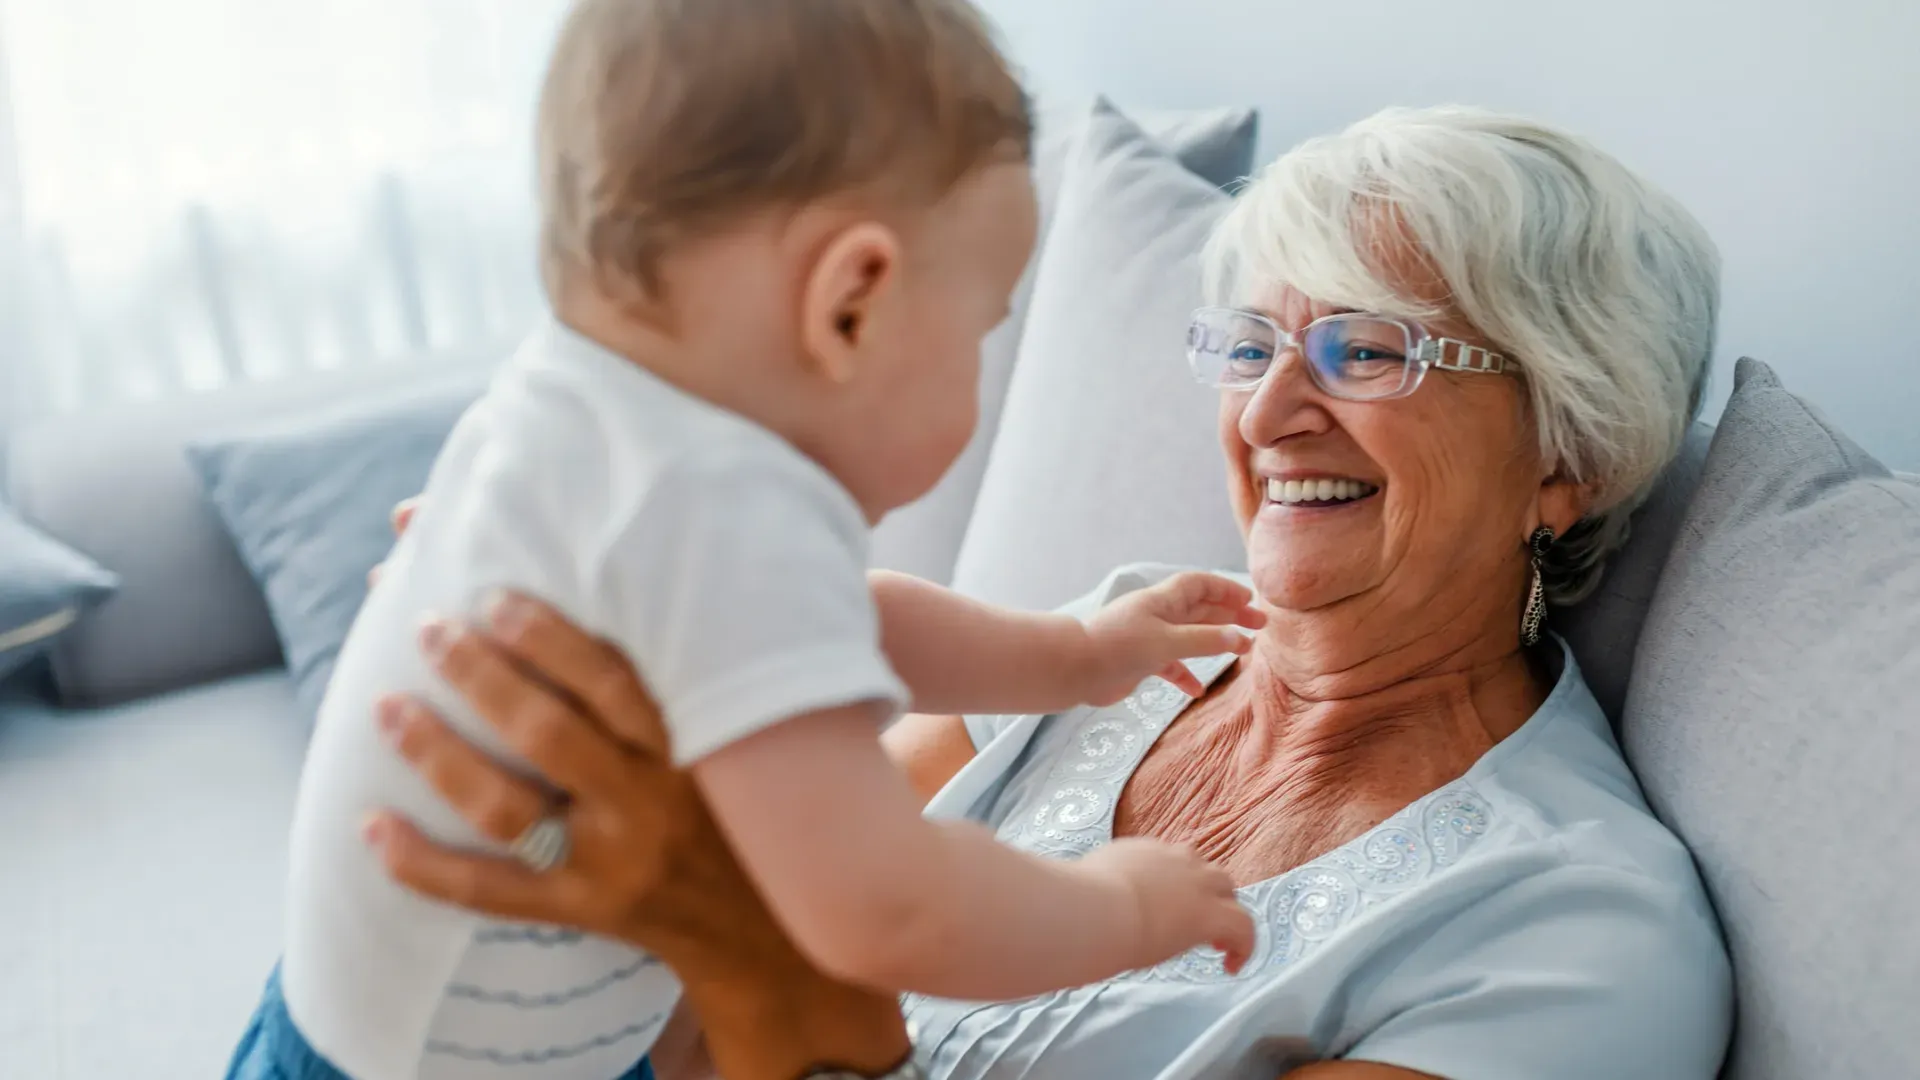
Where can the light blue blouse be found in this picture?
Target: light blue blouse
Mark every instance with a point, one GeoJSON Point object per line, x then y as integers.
{"type": "Point", "coordinates": [1530, 920]}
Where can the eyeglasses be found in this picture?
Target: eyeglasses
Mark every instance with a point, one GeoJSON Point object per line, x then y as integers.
{"type": "Point", "coordinates": [1357, 357]}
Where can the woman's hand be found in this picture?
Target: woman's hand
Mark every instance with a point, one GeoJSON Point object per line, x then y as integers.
{"type": "Point", "coordinates": [1151, 631]}
{"type": "Point", "coordinates": [402, 517]}
{"type": "Point", "coordinates": [646, 863]}
{"type": "Point", "coordinates": [633, 820]}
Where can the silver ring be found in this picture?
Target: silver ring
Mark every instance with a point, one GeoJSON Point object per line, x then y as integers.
{"type": "Point", "coordinates": [543, 845]}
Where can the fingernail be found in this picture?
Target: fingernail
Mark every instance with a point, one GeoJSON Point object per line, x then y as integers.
{"type": "Point", "coordinates": [504, 612]}
{"type": "Point", "coordinates": [435, 635]}
{"type": "Point", "coordinates": [375, 830]}
{"type": "Point", "coordinates": [391, 713]}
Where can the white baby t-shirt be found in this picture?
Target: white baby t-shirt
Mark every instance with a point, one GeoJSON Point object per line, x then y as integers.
{"type": "Point", "coordinates": [732, 571]}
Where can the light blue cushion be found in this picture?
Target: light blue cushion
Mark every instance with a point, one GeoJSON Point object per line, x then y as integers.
{"type": "Point", "coordinates": [308, 508]}
{"type": "Point", "coordinates": [45, 586]}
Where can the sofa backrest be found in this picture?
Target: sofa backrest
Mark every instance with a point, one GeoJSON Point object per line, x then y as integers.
{"type": "Point", "coordinates": [115, 485]}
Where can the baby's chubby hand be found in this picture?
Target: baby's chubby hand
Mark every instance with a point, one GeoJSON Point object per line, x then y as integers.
{"type": "Point", "coordinates": [1150, 631]}
{"type": "Point", "coordinates": [1172, 901]}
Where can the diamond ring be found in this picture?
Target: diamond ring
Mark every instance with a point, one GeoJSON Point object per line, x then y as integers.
{"type": "Point", "coordinates": [543, 845]}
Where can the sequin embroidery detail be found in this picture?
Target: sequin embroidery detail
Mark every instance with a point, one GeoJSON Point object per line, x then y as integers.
{"type": "Point", "coordinates": [1293, 913]}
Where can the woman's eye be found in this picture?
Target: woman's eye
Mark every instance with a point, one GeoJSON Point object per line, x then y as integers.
{"type": "Point", "coordinates": [1249, 354]}
{"type": "Point", "coordinates": [1369, 357]}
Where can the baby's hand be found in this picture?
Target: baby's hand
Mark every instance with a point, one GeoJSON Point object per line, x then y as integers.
{"type": "Point", "coordinates": [1150, 631]}
{"type": "Point", "coordinates": [1180, 901]}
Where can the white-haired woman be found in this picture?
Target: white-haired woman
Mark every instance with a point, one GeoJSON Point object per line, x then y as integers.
{"type": "Point", "coordinates": [1454, 351]}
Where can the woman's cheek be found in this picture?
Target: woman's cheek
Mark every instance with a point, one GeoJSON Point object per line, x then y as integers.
{"type": "Point", "coordinates": [1234, 456]}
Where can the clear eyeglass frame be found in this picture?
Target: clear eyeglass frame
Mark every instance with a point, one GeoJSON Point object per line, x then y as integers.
{"type": "Point", "coordinates": [1421, 352]}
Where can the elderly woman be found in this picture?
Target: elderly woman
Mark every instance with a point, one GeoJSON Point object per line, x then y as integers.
{"type": "Point", "coordinates": [1454, 350]}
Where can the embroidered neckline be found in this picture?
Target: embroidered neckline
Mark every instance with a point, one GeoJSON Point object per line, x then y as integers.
{"type": "Point", "coordinates": [1072, 811]}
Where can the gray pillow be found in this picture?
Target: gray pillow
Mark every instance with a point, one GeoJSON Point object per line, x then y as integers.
{"type": "Point", "coordinates": [924, 538]}
{"type": "Point", "coordinates": [1774, 721]}
{"type": "Point", "coordinates": [308, 508]}
{"type": "Point", "coordinates": [45, 586]}
{"type": "Point", "coordinates": [1107, 452]}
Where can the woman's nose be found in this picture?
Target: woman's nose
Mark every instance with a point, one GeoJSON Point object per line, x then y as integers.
{"type": "Point", "coordinates": [1283, 403]}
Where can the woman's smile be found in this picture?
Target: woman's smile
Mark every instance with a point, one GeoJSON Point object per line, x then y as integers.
{"type": "Point", "coordinates": [1298, 491]}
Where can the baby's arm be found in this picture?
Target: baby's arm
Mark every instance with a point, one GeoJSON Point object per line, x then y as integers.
{"type": "Point", "coordinates": [959, 655]}
{"type": "Point", "coordinates": [831, 831]}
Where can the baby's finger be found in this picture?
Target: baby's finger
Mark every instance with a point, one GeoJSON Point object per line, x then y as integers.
{"type": "Point", "coordinates": [1214, 600]}
{"type": "Point", "coordinates": [1195, 641]}
{"type": "Point", "coordinates": [1212, 589]}
{"type": "Point", "coordinates": [1182, 679]}
{"type": "Point", "coordinates": [1235, 937]}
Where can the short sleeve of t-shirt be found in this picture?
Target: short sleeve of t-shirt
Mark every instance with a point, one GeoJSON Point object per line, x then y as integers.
{"type": "Point", "coordinates": [1580, 973]}
{"type": "Point", "coordinates": [737, 585]}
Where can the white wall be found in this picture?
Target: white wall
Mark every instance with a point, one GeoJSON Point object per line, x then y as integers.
{"type": "Point", "coordinates": [1791, 127]}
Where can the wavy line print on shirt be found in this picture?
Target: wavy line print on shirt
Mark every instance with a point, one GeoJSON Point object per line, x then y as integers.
{"type": "Point", "coordinates": [542, 936]}
{"type": "Point", "coordinates": [550, 1054]}
{"type": "Point", "coordinates": [469, 992]}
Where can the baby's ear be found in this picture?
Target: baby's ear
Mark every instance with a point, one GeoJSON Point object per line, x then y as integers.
{"type": "Point", "coordinates": [856, 270]}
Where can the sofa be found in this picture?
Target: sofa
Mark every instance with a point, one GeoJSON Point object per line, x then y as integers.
{"type": "Point", "coordinates": [1757, 643]}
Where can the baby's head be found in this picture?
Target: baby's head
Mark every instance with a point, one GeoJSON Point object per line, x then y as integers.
{"type": "Point", "coordinates": [808, 211]}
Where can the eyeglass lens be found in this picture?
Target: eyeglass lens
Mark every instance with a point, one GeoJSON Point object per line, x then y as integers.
{"type": "Point", "coordinates": [1354, 356]}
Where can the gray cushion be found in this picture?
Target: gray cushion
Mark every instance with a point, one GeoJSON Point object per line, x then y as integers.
{"type": "Point", "coordinates": [1106, 452]}
{"type": "Point", "coordinates": [1604, 628]}
{"type": "Point", "coordinates": [141, 871]}
{"type": "Point", "coordinates": [309, 506]}
{"type": "Point", "coordinates": [45, 586]}
{"type": "Point", "coordinates": [115, 485]}
{"type": "Point", "coordinates": [924, 538]}
{"type": "Point", "coordinates": [1773, 723]}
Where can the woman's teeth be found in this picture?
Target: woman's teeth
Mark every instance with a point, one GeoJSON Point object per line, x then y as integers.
{"type": "Point", "coordinates": [1291, 492]}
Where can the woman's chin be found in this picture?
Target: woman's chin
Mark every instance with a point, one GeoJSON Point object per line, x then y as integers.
{"type": "Point", "coordinates": [1303, 577]}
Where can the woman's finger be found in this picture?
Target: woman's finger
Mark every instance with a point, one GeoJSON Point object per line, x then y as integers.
{"type": "Point", "coordinates": [586, 667]}
{"type": "Point", "coordinates": [502, 888]}
{"type": "Point", "coordinates": [533, 719]}
{"type": "Point", "coordinates": [403, 514]}
{"type": "Point", "coordinates": [499, 804]}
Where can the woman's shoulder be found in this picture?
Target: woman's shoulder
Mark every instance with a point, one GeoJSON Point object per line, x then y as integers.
{"type": "Point", "coordinates": [1563, 778]}
{"type": "Point", "coordinates": [1567, 967]}
{"type": "Point", "coordinates": [1575, 895]}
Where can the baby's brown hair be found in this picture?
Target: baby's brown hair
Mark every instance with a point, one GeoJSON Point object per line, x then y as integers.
{"type": "Point", "coordinates": [661, 119]}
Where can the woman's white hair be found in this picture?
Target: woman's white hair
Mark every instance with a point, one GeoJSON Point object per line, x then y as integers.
{"type": "Point", "coordinates": [1603, 289]}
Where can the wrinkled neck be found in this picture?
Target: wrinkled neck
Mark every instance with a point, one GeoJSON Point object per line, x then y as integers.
{"type": "Point", "coordinates": [1419, 713]}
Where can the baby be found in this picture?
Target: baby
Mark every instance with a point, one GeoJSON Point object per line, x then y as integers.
{"type": "Point", "coordinates": [774, 235]}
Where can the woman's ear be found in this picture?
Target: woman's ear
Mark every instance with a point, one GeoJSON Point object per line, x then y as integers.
{"type": "Point", "coordinates": [856, 272]}
{"type": "Point", "coordinates": [1564, 501]}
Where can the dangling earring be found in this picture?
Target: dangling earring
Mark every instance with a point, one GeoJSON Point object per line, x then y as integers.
{"type": "Point", "coordinates": [1535, 616]}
